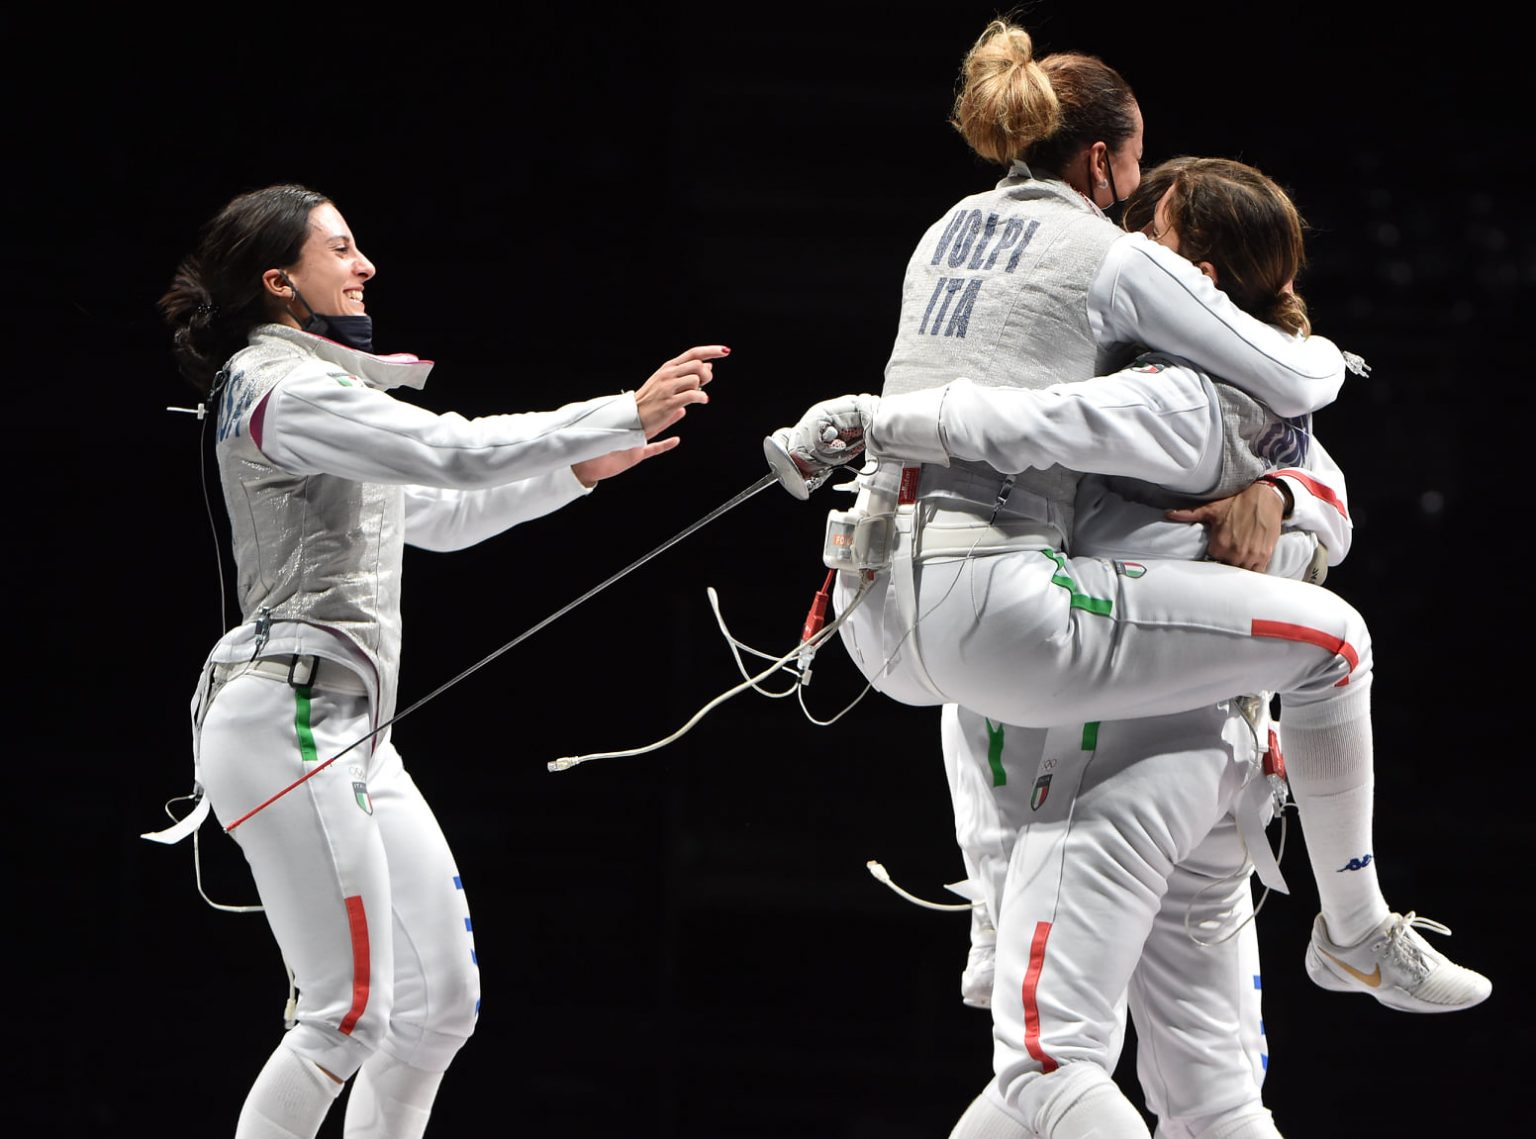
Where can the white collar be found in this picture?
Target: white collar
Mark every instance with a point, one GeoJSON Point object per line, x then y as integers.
{"type": "Point", "coordinates": [397, 370]}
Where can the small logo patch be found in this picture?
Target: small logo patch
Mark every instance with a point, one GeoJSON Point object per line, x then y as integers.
{"type": "Point", "coordinates": [1355, 864]}
{"type": "Point", "coordinates": [363, 799]}
{"type": "Point", "coordinates": [1370, 980]}
{"type": "Point", "coordinates": [1130, 569]}
{"type": "Point", "coordinates": [1041, 792]}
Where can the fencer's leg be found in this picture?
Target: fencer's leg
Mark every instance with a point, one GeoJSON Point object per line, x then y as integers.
{"type": "Point", "coordinates": [437, 979]}
{"type": "Point", "coordinates": [319, 866]}
{"type": "Point", "coordinates": [390, 1099]}
{"type": "Point", "coordinates": [1080, 1101]}
{"type": "Point", "coordinates": [1328, 758]}
{"type": "Point", "coordinates": [984, 1119]}
{"type": "Point", "coordinates": [1201, 1048]}
{"type": "Point", "coordinates": [1244, 1123]}
{"type": "Point", "coordinates": [1359, 945]}
{"type": "Point", "coordinates": [1058, 997]}
{"type": "Point", "coordinates": [1188, 632]}
{"type": "Point", "coordinates": [289, 1099]}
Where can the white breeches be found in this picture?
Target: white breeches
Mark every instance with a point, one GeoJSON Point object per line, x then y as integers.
{"type": "Point", "coordinates": [1091, 845]}
{"type": "Point", "coordinates": [359, 886]}
{"type": "Point", "coordinates": [1031, 637]}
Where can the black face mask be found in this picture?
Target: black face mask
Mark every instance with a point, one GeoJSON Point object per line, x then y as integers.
{"type": "Point", "coordinates": [353, 331]}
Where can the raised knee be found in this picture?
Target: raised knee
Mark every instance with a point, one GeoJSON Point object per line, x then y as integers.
{"type": "Point", "coordinates": [1247, 1122]}
{"type": "Point", "coordinates": [1080, 1101]}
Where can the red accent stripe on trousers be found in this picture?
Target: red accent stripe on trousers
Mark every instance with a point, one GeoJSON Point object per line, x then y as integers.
{"type": "Point", "coordinates": [1284, 631]}
{"type": "Point", "coordinates": [1031, 1005]}
{"type": "Point", "coordinates": [357, 921]}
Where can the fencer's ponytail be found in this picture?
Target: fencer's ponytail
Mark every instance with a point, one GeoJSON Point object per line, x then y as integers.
{"type": "Point", "coordinates": [1005, 103]}
{"type": "Point", "coordinates": [215, 297]}
{"type": "Point", "coordinates": [188, 307]}
{"type": "Point", "coordinates": [1011, 105]}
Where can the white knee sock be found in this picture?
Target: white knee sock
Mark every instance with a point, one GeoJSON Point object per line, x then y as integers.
{"type": "Point", "coordinates": [288, 1100]}
{"type": "Point", "coordinates": [1328, 758]}
{"type": "Point", "coordinates": [985, 1120]}
{"type": "Point", "coordinates": [1247, 1123]}
{"type": "Point", "coordinates": [390, 1100]}
{"type": "Point", "coordinates": [1101, 1112]}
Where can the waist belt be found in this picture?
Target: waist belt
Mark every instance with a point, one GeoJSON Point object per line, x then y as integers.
{"type": "Point", "coordinates": [974, 509]}
{"type": "Point", "coordinates": [944, 532]}
{"type": "Point", "coordinates": [298, 670]}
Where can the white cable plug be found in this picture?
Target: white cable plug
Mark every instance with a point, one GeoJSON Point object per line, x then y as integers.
{"type": "Point", "coordinates": [880, 874]}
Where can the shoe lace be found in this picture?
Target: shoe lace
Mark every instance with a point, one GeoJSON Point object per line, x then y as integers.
{"type": "Point", "coordinates": [1401, 949]}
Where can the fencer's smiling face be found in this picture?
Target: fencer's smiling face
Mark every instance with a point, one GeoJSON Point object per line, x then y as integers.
{"type": "Point", "coordinates": [331, 270]}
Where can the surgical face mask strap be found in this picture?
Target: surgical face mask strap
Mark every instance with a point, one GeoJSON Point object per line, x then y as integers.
{"type": "Point", "coordinates": [353, 331]}
{"type": "Point", "coordinates": [1114, 194]}
{"type": "Point", "coordinates": [314, 322]}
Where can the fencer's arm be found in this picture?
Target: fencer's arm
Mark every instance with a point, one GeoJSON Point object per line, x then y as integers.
{"type": "Point", "coordinates": [1146, 294]}
{"type": "Point", "coordinates": [1320, 501]}
{"type": "Point", "coordinates": [1160, 426]}
{"type": "Point", "coordinates": [1242, 529]}
{"type": "Point", "coordinates": [317, 425]}
{"type": "Point", "coordinates": [438, 518]}
{"type": "Point", "coordinates": [1108, 525]}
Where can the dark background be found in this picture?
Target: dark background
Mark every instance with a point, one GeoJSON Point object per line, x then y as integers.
{"type": "Point", "coordinates": [687, 943]}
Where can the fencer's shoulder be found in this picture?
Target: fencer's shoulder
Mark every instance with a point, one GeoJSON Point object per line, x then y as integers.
{"type": "Point", "coordinates": [1138, 251]}
{"type": "Point", "coordinates": [269, 357]}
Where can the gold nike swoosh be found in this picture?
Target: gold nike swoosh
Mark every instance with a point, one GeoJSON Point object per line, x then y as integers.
{"type": "Point", "coordinates": [1370, 980]}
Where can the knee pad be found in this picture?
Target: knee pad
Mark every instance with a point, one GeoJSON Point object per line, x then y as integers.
{"type": "Point", "coordinates": [1081, 1101]}
{"type": "Point", "coordinates": [1248, 1122]}
{"type": "Point", "coordinates": [435, 1010]}
{"type": "Point", "coordinates": [423, 1048]}
{"type": "Point", "coordinates": [323, 1046]}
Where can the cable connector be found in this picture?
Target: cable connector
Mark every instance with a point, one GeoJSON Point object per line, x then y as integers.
{"type": "Point", "coordinates": [815, 621]}
{"type": "Point", "coordinates": [1274, 772]}
{"type": "Point", "coordinates": [883, 876]}
{"type": "Point", "coordinates": [816, 616]}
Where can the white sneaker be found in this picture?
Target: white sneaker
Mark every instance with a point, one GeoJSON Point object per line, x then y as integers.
{"type": "Point", "coordinates": [1396, 966]}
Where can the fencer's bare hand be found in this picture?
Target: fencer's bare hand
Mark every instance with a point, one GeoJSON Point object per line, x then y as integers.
{"type": "Point", "coordinates": [1242, 529]}
{"type": "Point", "coordinates": [593, 471]}
{"type": "Point", "coordinates": [665, 397]}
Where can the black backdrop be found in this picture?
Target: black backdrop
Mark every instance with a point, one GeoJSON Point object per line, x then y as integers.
{"type": "Point", "coordinates": [687, 943]}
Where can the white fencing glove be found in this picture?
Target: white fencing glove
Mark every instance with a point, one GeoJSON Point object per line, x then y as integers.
{"type": "Point", "coordinates": [828, 436]}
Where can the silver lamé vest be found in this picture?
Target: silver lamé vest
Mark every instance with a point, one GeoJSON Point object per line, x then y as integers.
{"type": "Point", "coordinates": [312, 552]}
{"type": "Point", "coordinates": [997, 291]}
